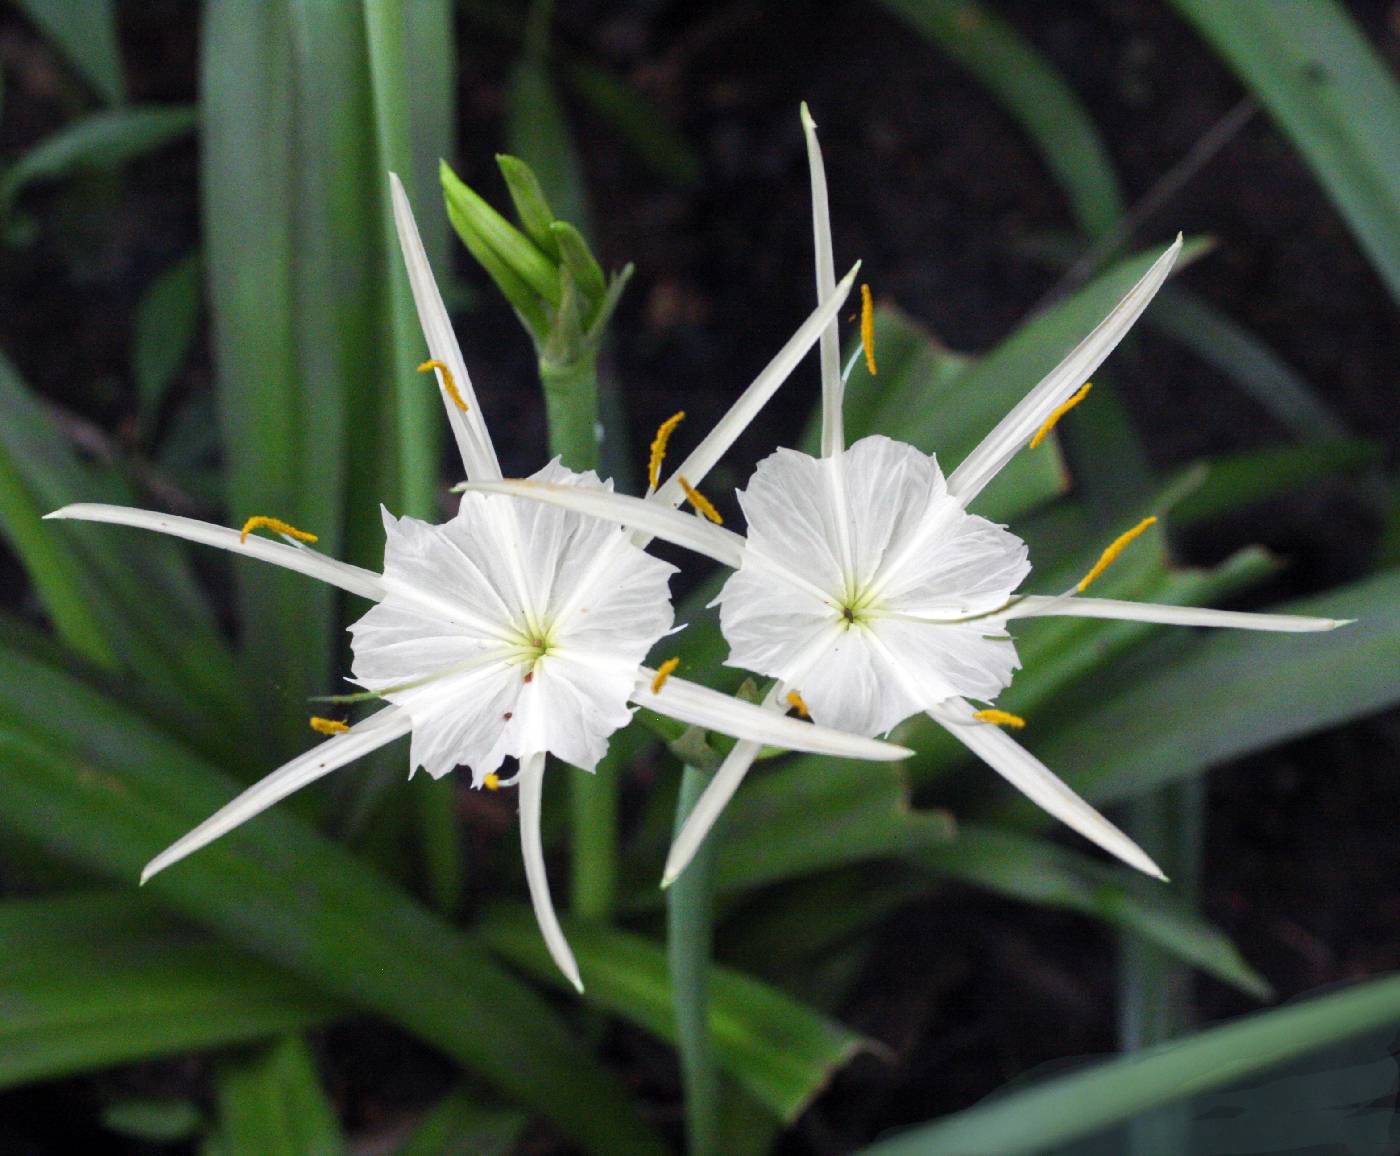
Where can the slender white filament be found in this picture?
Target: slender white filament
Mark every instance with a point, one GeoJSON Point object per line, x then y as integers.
{"type": "Point", "coordinates": [362, 738]}
{"type": "Point", "coordinates": [1038, 783]}
{"type": "Point", "coordinates": [1014, 432]}
{"type": "Point", "coordinates": [355, 579]}
{"type": "Point", "coordinates": [1040, 605]}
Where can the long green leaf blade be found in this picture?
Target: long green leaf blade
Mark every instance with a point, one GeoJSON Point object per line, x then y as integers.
{"type": "Point", "coordinates": [271, 1102]}
{"type": "Point", "coordinates": [87, 34]}
{"type": "Point", "coordinates": [1039, 872]}
{"type": "Point", "coordinates": [1034, 93]}
{"type": "Point", "coordinates": [780, 1052]}
{"type": "Point", "coordinates": [103, 978]}
{"type": "Point", "coordinates": [102, 141]}
{"type": "Point", "coordinates": [250, 181]}
{"type": "Point", "coordinates": [1064, 1109]}
{"type": "Point", "coordinates": [98, 786]}
{"type": "Point", "coordinates": [1332, 95]}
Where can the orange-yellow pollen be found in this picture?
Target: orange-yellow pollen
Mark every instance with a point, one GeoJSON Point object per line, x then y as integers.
{"type": "Point", "coordinates": [449, 383]}
{"type": "Point", "coordinates": [867, 327]}
{"type": "Point", "coordinates": [794, 700]}
{"type": "Point", "coordinates": [658, 447]}
{"type": "Point", "coordinates": [663, 672]}
{"type": "Point", "coordinates": [492, 782]}
{"type": "Point", "coordinates": [1116, 547]}
{"type": "Point", "coordinates": [700, 502]}
{"type": "Point", "coordinates": [1060, 412]}
{"type": "Point", "coordinates": [1000, 718]}
{"type": "Point", "coordinates": [328, 726]}
{"type": "Point", "coordinates": [275, 524]}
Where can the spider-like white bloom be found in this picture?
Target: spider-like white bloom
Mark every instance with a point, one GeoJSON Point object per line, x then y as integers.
{"type": "Point", "coordinates": [513, 630]}
{"type": "Point", "coordinates": [867, 590]}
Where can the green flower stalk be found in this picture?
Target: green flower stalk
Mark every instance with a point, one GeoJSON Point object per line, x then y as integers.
{"type": "Point", "coordinates": [546, 270]}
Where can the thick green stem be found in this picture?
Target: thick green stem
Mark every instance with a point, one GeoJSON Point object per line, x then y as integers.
{"type": "Point", "coordinates": [689, 912]}
{"type": "Point", "coordinates": [417, 425]}
{"type": "Point", "coordinates": [571, 404]}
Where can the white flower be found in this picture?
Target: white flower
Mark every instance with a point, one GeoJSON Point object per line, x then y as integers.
{"type": "Point", "coordinates": [878, 616]}
{"type": "Point", "coordinates": [866, 589]}
{"type": "Point", "coordinates": [512, 630]}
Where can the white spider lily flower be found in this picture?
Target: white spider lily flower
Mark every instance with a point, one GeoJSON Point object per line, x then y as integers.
{"type": "Point", "coordinates": [866, 589]}
{"type": "Point", "coordinates": [513, 630]}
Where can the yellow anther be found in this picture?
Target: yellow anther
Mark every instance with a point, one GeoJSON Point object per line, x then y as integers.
{"type": "Point", "coordinates": [1060, 412]}
{"type": "Point", "coordinates": [1000, 718]}
{"type": "Point", "coordinates": [700, 502]}
{"type": "Point", "coordinates": [328, 726]}
{"type": "Point", "coordinates": [663, 672]}
{"type": "Point", "coordinates": [794, 700]}
{"type": "Point", "coordinates": [1116, 547]}
{"type": "Point", "coordinates": [658, 446]}
{"type": "Point", "coordinates": [492, 782]}
{"type": "Point", "coordinates": [276, 524]}
{"type": "Point", "coordinates": [867, 327]}
{"type": "Point", "coordinates": [449, 383]}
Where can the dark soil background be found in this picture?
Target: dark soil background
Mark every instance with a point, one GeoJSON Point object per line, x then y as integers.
{"type": "Point", "coordinates": [939, 193]}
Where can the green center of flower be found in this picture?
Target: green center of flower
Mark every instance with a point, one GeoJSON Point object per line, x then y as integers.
{"type": "Point", "coordinates": [856, 608]}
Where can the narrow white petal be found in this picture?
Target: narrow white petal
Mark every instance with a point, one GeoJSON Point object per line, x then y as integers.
{"type": "Point", "coordinates": [473, 440]}
{"type": "Point", "coordinates": [707, 808]}
{"type": "Point", "coordinates": [1038, 605]}
{"type": "Point", "coordinates": [700, 706]}
{"type": "Point", "coordinates": [717, 442]}
{"type": "Point", "coordinates": [365, 583]}
{"type": "Point", "coordinates": [833, 387]}
{"type": "Point", "coordinates": [530, 783]}
{"type": "Point", "coordinates": [649, 516]}
{"type": "Point", "coordinates": [364, 737]}
{"type": "Point", "coordinates": [1038, 783]}
{"type": "Point", "coordinates": [1014, 432]}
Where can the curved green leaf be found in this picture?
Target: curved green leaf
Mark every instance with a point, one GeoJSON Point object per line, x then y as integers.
{"type": "Point", "coordinates": [1066, 1108]}
{"type": "Point", "coordinates": [1038, 872]}
{"type": "Point", "coordinates": [1034, 93]}
{"type": "Point", "coordinates": [104, 140]}
{"type": "Point", "coordinates": [98, 786]}
{"type": "Point", "coordinates": [778, 1051]}
{"type": "Point", "coordinates": [1333, 96]}
{"type": "Point", "coordinates": [104, 978]}
{"type": "Point", "coordinates": [87, 34]}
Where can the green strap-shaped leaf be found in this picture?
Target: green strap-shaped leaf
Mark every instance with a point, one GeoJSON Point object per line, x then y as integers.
{"type": "Point", "coordinates": [167, 317]}
{"type": "Point", "coordinates": [1038, 872]}
{"type": "Point", "coordinates": [1033, 91]}
{"type": "Point", "coordinates": [87, 34]}
{"type": "Point", "coordinates": [104, 140]}
{"type": "Point", "coordinates": [1237, 481]}
{"type": "Point", "coordinates": [271, 1102]}
{"type": "Point", "coordinates": [1059, 1110]}
{"type": "Point", "coordinates": [129, 604]}
{"type": "Point", "coordinates": [778, 1051]}
{"type": "Point", "coordinates": [282, 437]}
{"type": "Point", "coordinates": [103, 978]}
{"type": "Point", "coordinates": [460, 1125]}
{"type": "Point", "coordinates": [1333, 96]}
{"type": "Point", "coordinates": [98, 786]}
{"type": "Point", "coordinates": [1255, 367]}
